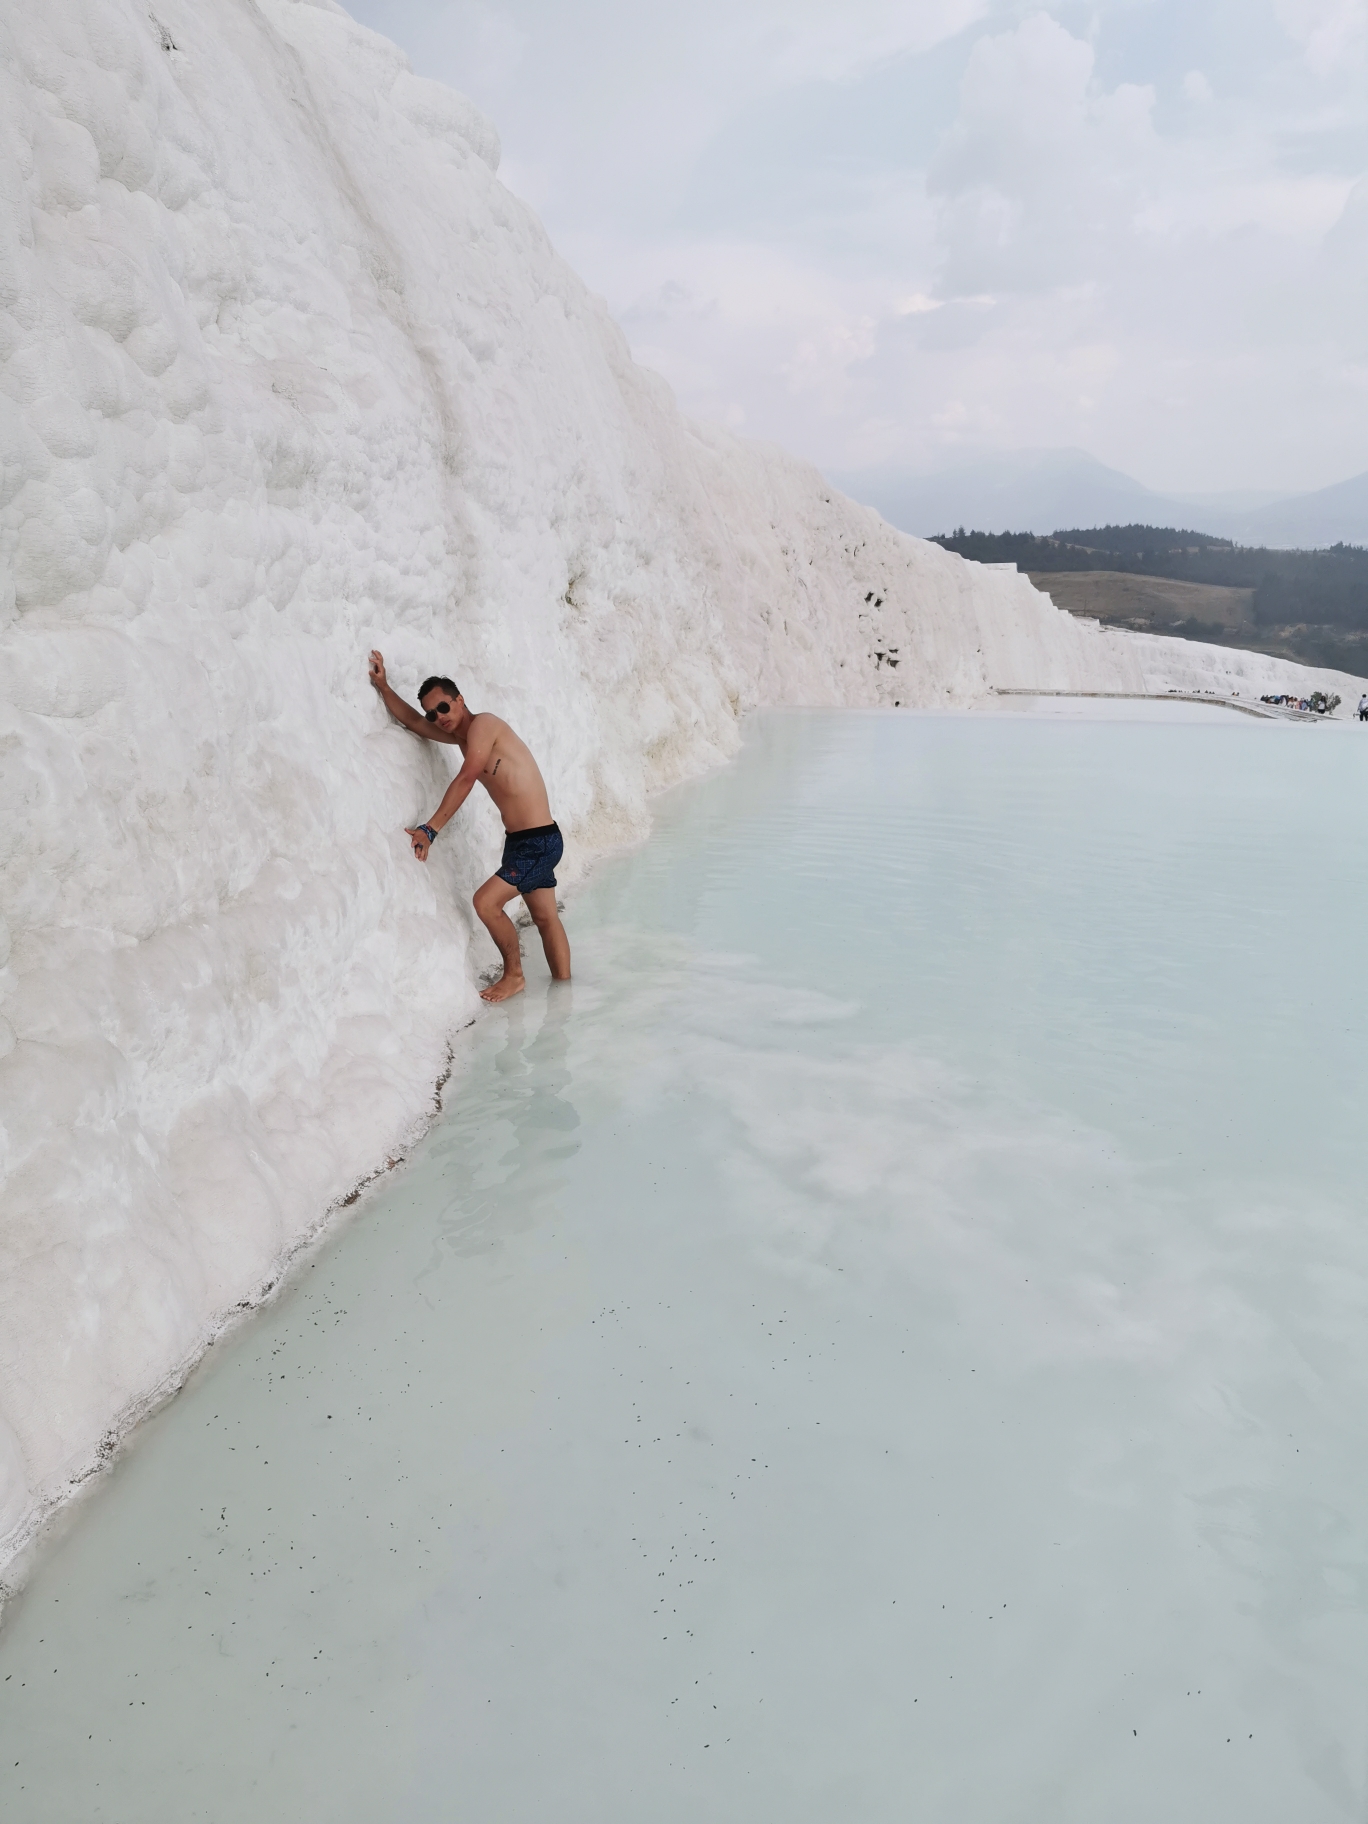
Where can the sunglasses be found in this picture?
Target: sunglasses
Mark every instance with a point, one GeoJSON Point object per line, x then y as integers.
{"type": "Point", "coordinates": [442, 709]}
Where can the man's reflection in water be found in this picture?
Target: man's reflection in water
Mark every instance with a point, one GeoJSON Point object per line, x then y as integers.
{"type": "Point", "coordinates": [541, 1061]}
{"type": "Point", "coordinates": [525, 1104]}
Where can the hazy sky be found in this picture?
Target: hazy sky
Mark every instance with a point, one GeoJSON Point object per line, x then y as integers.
{"type": "Point", "coordinates": [887, 233]}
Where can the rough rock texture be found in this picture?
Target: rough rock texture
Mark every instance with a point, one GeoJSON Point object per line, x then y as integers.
{"type": "Point", "coordinates": [288, 374]}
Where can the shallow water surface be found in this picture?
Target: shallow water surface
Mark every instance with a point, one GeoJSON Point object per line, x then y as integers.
{"type": "Point", "coordinates": [887, 1341]}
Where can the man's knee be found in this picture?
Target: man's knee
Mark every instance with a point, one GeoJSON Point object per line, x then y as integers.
{"type": "Point", "coordinates": [488, 901]}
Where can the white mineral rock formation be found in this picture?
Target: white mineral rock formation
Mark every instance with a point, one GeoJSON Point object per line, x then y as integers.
{"type": "Point", "coordinates": [289, 374]}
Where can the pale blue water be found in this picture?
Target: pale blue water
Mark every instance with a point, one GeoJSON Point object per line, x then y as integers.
{"type": "Point", "coordinates": [889, 1342]}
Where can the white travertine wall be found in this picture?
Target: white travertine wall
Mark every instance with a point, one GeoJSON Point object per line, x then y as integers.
{"type": "Point", "coordinates": [288, 374]}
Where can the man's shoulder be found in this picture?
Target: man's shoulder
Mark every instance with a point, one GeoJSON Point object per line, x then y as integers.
{"type": "Point", "coordinates": [487, 724]}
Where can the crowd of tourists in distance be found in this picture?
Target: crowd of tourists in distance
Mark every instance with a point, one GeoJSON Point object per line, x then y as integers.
{"type": "Point", "coordinates": [1317, 704]}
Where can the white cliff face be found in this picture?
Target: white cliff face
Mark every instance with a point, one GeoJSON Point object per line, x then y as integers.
{"type": "Point", "coordinates": [288, 375]}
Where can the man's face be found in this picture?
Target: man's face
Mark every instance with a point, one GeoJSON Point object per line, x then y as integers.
{"type": "Point", "coordinates": [442, 708]}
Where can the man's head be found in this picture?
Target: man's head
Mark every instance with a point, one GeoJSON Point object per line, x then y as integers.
{"type": "Point", "coordinates": [440, 701]}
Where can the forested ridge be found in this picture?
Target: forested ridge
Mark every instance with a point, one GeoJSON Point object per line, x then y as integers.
{"type": "Point", "coordinates": [1327, 588]}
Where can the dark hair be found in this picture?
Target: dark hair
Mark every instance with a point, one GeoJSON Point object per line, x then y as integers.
{"type": "Point", "coordinates": [437, 684]}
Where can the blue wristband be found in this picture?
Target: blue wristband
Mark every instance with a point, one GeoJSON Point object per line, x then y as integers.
{"type": "Point", "coordinates": [428, 831]}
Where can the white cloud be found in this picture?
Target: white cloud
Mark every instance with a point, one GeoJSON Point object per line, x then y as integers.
{"type": "Point", "coordinates": [1331, 33]}
{"type": "Point", "coordinates": [884, 230]}
{"type": "Point", "coordinates": [820, 43]}
{"type": "Point", "coordinates": [1038, 175]}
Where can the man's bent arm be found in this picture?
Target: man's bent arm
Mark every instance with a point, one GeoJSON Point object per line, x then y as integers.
{"type": "Point", "coordinates": [478, 747]}
{"type": "Point", "coordinates": [453, 798]}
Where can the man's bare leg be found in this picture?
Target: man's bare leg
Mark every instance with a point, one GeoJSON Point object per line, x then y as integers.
{"type": "Point", "coordinates": [541, 903]}
{"type": "Point", "coordinates": [490, 900]}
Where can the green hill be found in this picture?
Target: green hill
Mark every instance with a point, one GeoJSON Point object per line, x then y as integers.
{"type": "Point", "coordinates": [1307, 605]}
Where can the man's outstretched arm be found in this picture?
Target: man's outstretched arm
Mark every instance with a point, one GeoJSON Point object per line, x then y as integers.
{"type": "Point", "coordinates": [404, 713]}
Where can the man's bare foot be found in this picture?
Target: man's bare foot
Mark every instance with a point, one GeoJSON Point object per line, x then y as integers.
{"type": "Point", "coordinates": [505, 988]}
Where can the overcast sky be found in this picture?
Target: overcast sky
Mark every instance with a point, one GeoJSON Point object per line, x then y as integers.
{"type": "Point", "coordinates": [905, 233]}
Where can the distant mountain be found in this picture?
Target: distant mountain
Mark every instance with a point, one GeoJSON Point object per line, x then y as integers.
{"type": "Point", "coordinates": [1330, 516]}
{"type": "Point", "coordinates": [1040, 490]}
{"type": "Point", "coordinates": [1014, 491]}
{"type": "Point", "coordinates": [1233, 500]}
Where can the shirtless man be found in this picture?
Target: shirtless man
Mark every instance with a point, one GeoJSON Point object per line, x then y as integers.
{"type": "Point", "coordinates": [505, 768]}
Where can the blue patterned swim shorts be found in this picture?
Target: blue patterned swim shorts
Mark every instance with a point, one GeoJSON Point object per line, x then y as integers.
{"type": "Point", "coordinates": [530, 857]}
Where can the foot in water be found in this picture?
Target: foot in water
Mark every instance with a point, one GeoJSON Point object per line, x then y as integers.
{"type": "Point", "coordinates": [505, 988]}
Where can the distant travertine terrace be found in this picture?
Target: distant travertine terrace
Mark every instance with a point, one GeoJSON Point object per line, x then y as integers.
{"type": "Point", "coordinates": [288, 374]}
